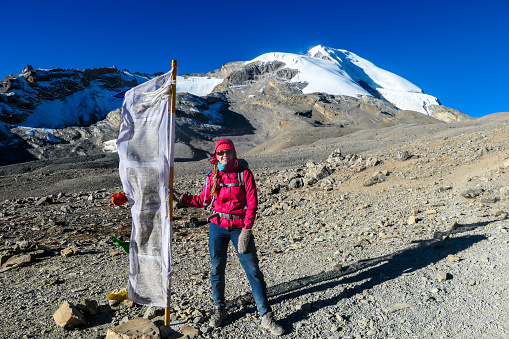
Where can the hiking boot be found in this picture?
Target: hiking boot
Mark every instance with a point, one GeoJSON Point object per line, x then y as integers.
{"type": "Point", "coordinates": [217, 318]}
{"type": "Point", "coordinates": [268, 323]}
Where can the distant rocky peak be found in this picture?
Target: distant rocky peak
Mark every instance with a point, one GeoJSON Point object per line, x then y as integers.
{"type": "Point", "coordinates": [27, 68]}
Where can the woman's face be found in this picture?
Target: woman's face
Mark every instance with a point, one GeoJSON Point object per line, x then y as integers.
{"type": "Point", "coordinates": [224, 156]}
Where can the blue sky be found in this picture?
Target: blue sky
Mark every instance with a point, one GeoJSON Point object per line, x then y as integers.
{"type": "Point", "coordinates": [456, 51]}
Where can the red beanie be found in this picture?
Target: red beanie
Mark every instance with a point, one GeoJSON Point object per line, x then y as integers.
{"type": "Point", "coordinates": [223, 144]}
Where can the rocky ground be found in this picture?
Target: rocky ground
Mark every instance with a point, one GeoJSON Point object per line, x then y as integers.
{"type": "Point", "coordinates": [398, 232]}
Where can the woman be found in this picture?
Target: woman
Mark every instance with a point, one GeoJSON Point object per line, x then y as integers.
{"type": "Point", "coordinates": [231, 190]}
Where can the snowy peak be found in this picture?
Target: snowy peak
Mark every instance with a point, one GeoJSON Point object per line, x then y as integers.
{"type": "Point", "coordinates": [340, 72]}
{"type": "Point", "coordinates": [363, 70]}
{"type": "Point", "coordinates": [320, 75]}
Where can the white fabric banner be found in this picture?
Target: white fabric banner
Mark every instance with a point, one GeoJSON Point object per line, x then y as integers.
{"type": "Point", "coordinates": [145, 148]}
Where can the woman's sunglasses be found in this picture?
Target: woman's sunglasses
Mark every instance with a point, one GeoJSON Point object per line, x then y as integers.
{"type": "Point", "coordinates": [227, 152]}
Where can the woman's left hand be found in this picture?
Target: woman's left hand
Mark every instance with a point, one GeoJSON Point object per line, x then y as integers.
{"type": "Point", "coordinates": [244, 236]}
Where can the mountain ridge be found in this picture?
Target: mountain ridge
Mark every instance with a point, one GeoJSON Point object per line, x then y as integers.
{"type": "Point", "coordinates": [47, 113]}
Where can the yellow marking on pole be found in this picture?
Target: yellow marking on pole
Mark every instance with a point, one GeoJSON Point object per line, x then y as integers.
{"type": "Point", "coordinates": [173, 90]}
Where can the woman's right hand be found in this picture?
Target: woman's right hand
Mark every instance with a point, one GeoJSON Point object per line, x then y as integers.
{"type": "Point", "coordinates": [177, 196]}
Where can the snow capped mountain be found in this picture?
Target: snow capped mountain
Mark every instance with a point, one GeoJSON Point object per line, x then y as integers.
{"type": "Point", "coordinates": [336, 72]}
{"type": "Point", "coordinates": [319, 74]}
{"type": "Point", "coordinates": [339, 72]}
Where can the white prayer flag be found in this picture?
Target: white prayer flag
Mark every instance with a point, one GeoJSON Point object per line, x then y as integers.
{"type": "Point", "coordinates": [145, 148]}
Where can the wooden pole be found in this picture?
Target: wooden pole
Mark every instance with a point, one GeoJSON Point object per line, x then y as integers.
{"type": "Point", "coordinates": [173, 89]}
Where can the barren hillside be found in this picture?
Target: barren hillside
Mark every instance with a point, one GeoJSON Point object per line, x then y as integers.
{"type": "Point", "coordinates": [395, 232]}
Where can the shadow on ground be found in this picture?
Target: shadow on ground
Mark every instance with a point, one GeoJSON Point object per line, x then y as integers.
{"type": "Point", "coordinates": [368, 272]}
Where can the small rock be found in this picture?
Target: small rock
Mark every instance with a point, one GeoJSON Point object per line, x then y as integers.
{"type": "Point", "coordinates": [440, 235]}
{"type": "Point", "coordinates": [69, 251]}
{"type": "Point", "coordinates": [472, 193]}
{"type": "Point", "coordinates": [18, 260]}
{"type": "Point", "coordinates": [484, 259]}
{"type": "Point", "coordinates": [296, 183]}
{"type": "Point", "coordinates": [340, 317]}
{"type": "Point", "coordinates": [44, 201]}
{"type": "Point", "coordinates": [412, 220]}
{"type": "Point", "coordinates": [114, 303]}
{"type": "Point", "coordinates": [451, 226]}
{"type": "Point", "coordinates": [372, 162]}
{"type": "Point", "coordinates": [336, 153]}
{"type": "Point", "coordinates": [453, 258]}
{"type": "Point", "coordinates": [374, 180]}
{"type": "Point", "coordinates": [150, 313]}
{"type": "Point", "coordinates": [504, 191]}
{"type": "Point", "coordinates": [136, 328]}
{"type": "Point", "coordinates": [403, 155]}
{"type": "Point", "coordinates": [441, 276]}
{"type": "Point", "coordinates": [396, 307]}
{"type": "Point", "coordinates": [128, 303]}
{"type": "Point", "coordinates": [189, 332]}
{"type": "Point", "coordinates": [198, 320]}
{"type": "Point", "coordinates": [317, 174]}
{"type": "Point", "coordinates": [307, 306]}
{"type": "Point", "coordinates": [489, 200]}
{"type": "Point", "coordinates": [444, 189]}
{"type": "Point", "coordinates": [21, 245]}
{"type": "Point", "coordinates": [69, 317]}
{"type": "Point", "coordinates": [497, 213]}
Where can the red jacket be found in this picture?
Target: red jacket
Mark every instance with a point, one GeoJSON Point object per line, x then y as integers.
{"type": "Point", "coordinates": [237, 200]}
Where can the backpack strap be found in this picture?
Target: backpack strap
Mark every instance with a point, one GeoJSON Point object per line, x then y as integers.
{"type": "Point", "coordinates": [241, 177]}
{"type": "Point", "coordinates": [206, 186]}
